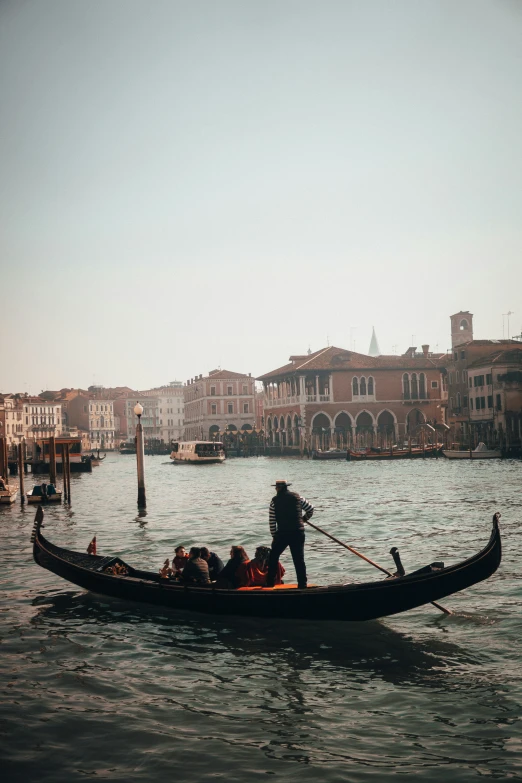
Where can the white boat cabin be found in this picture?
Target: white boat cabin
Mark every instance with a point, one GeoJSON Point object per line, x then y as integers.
{"type": "Point", "coordinates": [198, 451]}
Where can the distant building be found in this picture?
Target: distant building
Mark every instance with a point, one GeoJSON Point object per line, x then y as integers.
{"type": "Point", "coordinates": [149, 420]}
{"type": "Point", "coordinates": [221, 401]}
{"type": "Point", "coordinates": [467, 352]}
{"type": "Point", "coordinates": [101, 423]}
{"type": "Point", "coordinates": [336, 397]}
{"type": "Point", "coordinates": [171, 405]}
{"type": "Point", "coordinates": [29, 418]}
{"type": "Point", "coordinates": [495, 398]}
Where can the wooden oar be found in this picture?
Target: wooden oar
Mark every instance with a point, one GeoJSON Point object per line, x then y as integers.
{"type": "Point", "coordinates": [363, 557]}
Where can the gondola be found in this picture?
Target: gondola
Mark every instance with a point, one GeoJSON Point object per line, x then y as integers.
{"type": "Point", "coordinates": [343, 602]}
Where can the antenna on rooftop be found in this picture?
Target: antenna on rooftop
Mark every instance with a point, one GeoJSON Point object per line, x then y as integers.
{"type": "Point", "coordinates": [394, 348]}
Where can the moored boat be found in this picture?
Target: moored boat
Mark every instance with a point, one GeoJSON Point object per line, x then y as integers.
{"type": "Point", "coordinates": [44, 493]}
{"type": "Point", "coordinates": [481, 452]}
{"type": "Point", "coordinates": [344, 602]}
{"type": "Point", "coordinates": [8, 494]}
{"type": "Point", "coordinates": [329, 454]}
{"type": "Point", "coordinates": [392, 454]}
{"type": "Point", "coordinates": [198, 452]}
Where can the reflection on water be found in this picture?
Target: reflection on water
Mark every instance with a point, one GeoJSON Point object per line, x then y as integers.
{"type": "Point", "coordinates": [94, 687]}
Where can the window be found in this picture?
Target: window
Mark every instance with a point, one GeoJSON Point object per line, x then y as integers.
{"type": "Point", "coordinates": [490, 400]}
{"type": "Point", "coordinates": [422, 386]}
{"type": "Point", "coordinates": [478, 380]}
{"type": "Point", "coordinates": [471, 403]}
{"type": "Point", "coordinates": [363, 385]}
{"type": "Point", "coordinates": [470, 383]}
{"type": "Point", "coordinates": [434, 384]}
{"type": "Point", "coordinates": [214, 409]}
{"type": "Point", "coordinates": [229, 391]}
{"type": "Point", "coordinates": [230, 407]}
{"type": "Point", "coordinates": [489, 379]}
{"type": "Point", "coordinates": [463, 354]}
{"type": "Point", "coordinates": [406, 386]}
{"type": "Point", "coordinates": [245, 389]}
{"type": "Point", "coordinates": [458, 400]}
{"type": "Point", "coordinates": [465, 401]}
{"type": "Point", "coordinates": [414, 386]}
{"type": "Point", "coordinates": [212, 391]}
{"type": "Point", "coordinates": [499, 402]}
{"type": "Point", "coordinates": [355, 387]}
{"type": "Point", "coordinates": [455, 355]}
{"type": "Point", "coordinates": [245, 407]}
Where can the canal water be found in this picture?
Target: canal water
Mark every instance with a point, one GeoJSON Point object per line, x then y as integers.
{"type": "Point", "coordinates": [96, 688]}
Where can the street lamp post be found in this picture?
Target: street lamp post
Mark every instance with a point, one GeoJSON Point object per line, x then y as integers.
{"type": "Point", "coordinates": [142, 500]}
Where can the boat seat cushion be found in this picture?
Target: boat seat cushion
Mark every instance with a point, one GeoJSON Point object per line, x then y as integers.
{"type": "Point", "coordinates": [276, 587]}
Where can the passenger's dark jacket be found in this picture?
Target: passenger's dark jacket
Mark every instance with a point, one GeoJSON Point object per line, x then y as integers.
{"type": "Point", "coordinates": [196, 570]}
{"type": "Point", "coordinates": [215, 565]}
{"type": "Point", "coordinates": [228, 576]}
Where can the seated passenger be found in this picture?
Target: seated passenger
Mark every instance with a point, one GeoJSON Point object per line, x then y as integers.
{"type": "Point", "coordinates": [180, 560]}
{"type": "Point", "coordinates": [196, 569]}
{"type": "Point", "coordinates": [215, 564]}
{"type": "Point", "coordinates": [51, 489]}
{"type": "Point", "coordinates": [228, 576]}
{"type": "Point", "coordinates": [254, 572]}
{"type": "Point", "coordinates": [37, 491]}
{"type": "Point", "coordinates": [44, 489]}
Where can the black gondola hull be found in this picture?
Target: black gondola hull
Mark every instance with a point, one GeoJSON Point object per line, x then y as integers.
{"type": "Point", "coordinates": [353, 602]}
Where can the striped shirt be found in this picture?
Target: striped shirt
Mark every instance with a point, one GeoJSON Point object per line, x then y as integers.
{"type": "Point", "coordinates": [307, 511]}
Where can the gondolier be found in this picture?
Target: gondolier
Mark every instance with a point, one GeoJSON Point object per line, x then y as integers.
{"type": "Point", "coordinates": [286, 515]}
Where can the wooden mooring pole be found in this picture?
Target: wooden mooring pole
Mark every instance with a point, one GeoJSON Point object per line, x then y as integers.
{"type": "Point", "coordinates": [52, 460]}
{"type": "Point", "coordinates": [21, 472]}
{"type": "Point", "coordinates": [68, 471]}
{"type": "Point", "coordinates": [64, 474]}
{"type": "Point", "coordinates": [4, 466]}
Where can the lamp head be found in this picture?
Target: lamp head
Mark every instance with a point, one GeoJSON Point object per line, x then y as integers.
{"type": "Point", "coordinates": [138, 409]}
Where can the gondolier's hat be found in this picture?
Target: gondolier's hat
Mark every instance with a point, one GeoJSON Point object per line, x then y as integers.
{"type": "Point", "coordinates": [282, 483]}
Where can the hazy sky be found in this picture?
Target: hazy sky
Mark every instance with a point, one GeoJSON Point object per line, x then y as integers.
{"type": "Point", "coordinates": [187, 185]}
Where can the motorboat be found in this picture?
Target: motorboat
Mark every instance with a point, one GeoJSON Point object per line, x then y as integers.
{"type": "Point", "coordinates": [198, 452]}
{"type": "Point", "coordinates": [481, 452]}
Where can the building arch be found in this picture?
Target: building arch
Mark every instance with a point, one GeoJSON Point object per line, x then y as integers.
{"type": "Point", "coordinates": [344, 427]}
{"type": "Point", "coordinates": [321, 420]}
{"type": "Point", "coordinates": [213, 431]}
{"type": "Point", "coordinates": [406, 386]}
{"type": "Point", "coordinates": [365, 421]}
{"type": "Point", "coordinates": [414, 420]}
{"type": "Point", "coordinates": [344, 420]}
{"type": "Point", "coordinates": [422, 385]}
{"type": "Point", "coordinates": [386, 421]}
{"type": "Point", "coordinates": [289, 432]}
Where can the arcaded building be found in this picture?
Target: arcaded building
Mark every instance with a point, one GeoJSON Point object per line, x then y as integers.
{"type": "Point", "coordinates": [336, 397]}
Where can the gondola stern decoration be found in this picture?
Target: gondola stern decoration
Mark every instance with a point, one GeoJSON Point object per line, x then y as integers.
{"type": "Point", "coordinates": [37, 524]}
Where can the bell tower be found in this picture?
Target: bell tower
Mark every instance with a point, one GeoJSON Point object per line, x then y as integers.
{"type": "Point", "coordinates": [461, 328]}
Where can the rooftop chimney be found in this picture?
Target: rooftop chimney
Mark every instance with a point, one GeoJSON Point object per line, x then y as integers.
{"type": "Point", "coordinates": [425, 349]}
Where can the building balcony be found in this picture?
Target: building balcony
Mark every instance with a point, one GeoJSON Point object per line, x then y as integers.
{"type": "Point", "coordinates": [298, 399]}
{"type": "Point", "coordinates": [412, 399]}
